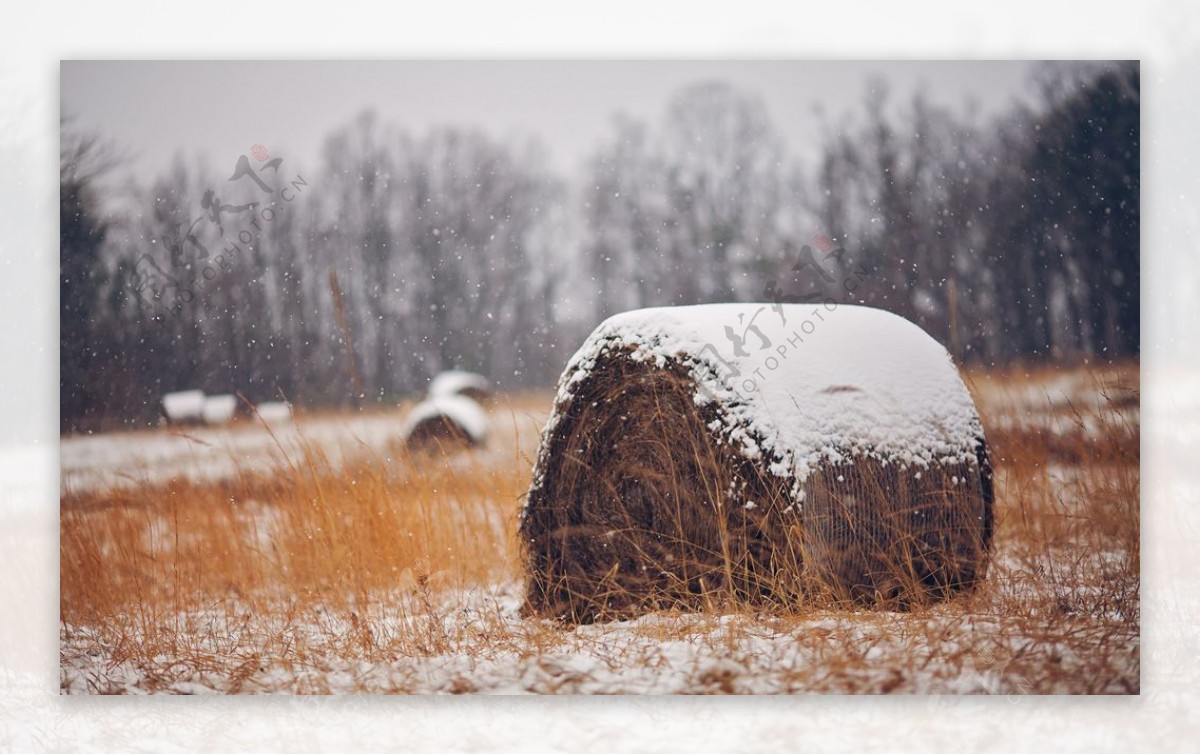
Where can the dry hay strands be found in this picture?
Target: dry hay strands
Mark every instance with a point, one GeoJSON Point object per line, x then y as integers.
{"type": "Point", "coordinates": [881, 534]}
{"type": "Point", "coordinates": [641, 503]}
{"type": "Point", "coordinates": [633, 512]}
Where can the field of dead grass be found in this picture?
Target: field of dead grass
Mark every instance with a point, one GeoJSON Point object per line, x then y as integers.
{"type": "Point", "coordinates": [386, 572]}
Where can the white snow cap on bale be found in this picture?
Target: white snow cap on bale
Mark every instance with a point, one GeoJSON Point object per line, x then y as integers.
{"type": "Point", "coordinates": [184, 406]}
{"type": "Point", "coordinates": [220, 408]}
{"type": "Point", "coordinates": [274, 412]}
{"type": "Point", "coordinates": [461, 410]}
{"type": "Point", "coordinates": [835, 380]}
{"type": "Point", "coordinates": [454, 382]}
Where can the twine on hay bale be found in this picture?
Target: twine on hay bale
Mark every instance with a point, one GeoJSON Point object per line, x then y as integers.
{"type": "Point", "coordinates": [659, 485]}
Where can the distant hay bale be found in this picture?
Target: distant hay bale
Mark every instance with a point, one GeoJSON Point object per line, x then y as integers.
{"type": "Point", "coordinates": [460, 383]}
{"type": "Point", "coordinates": [274, 412]}
{"type": "Point", "coordinates": [838, 458]}
{"type": "Point", "coordinates": [220, 408]}
{"type": "Point", "coordinates": [445, 422]}
{"type": "Point", "coordinates": [183, 407]}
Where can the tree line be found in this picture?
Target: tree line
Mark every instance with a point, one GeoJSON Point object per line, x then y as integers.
{"type": "Point", "coordinates": [405, 254]}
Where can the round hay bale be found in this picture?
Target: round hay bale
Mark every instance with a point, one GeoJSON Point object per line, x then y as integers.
{"type": "Point", "coordinates": [274, 412]}
{"type": "Point", "coordinates": [460, 383]}
{"type": "Point", "coordinates": [445, 422]}
{"type": "Point", "coordinates": [220, 408]}
{"type": "Point", "coordinates": [183, 407]}
{"type": "Point", "coordinates": [832, 453]}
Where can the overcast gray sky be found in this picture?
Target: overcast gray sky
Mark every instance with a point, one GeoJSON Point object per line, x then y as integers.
{"type": "Point", "coordinates": [217, 110]}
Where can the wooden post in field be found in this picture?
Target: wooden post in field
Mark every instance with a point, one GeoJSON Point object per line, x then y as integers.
{"type": "Point", "coordinates": [343, 324]}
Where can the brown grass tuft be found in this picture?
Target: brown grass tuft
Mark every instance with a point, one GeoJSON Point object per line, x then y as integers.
{"type": "Point", "coordinates": [134, 561]}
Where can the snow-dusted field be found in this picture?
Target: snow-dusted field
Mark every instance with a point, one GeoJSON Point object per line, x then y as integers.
{"type": "Point", "coordinates": [208, 454]}
{"type": "Point", "coordinates": [1058, 613]}
{"type": "Point", "coordinates": [1087, 402]}
{"type": "Point", "coordinates": [479, 644]}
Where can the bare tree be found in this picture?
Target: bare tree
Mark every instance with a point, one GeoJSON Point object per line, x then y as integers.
{"type": "Point", "coordinates": [725, 176]}
{"type": "Point", "coordinates": [87, 346]}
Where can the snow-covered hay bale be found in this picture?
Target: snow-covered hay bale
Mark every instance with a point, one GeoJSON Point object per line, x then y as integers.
{"type": "Point", "coordinates": [836, 457]}
{"type": "Point", "coordinates": [460, 383]}
{"type": "Point", "coordinates": [445, 422]}
{"type": "Point", "coordinates": [219, 409]}
{"type": "Point", "coordinates": [274, 412]}
{"type": "Point", "coordinates": [183, 407]}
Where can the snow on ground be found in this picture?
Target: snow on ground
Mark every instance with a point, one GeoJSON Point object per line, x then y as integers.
{"type": "Point", "coordinates": [491, 650]}
{"type": "Point", "coordinates": [129, 459]}
{"type": "Point", "coordinates": [474, 641]}
{"type": "Point", "coordinates": [1093, 403]}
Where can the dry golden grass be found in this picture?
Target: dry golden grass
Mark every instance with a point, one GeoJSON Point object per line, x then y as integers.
{"type": "Point", "coordinates": [397, 574]}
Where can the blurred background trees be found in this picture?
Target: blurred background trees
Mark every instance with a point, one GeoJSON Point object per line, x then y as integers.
{"type": "Point", "coordinates": [405, 254]}
{"type": "Point", "coordinates": [85, 284]}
